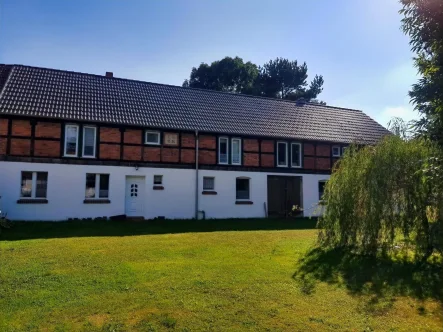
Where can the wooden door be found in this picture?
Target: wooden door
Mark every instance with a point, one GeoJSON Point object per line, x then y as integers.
{"type": "Point", "coordinates": [283, 193]}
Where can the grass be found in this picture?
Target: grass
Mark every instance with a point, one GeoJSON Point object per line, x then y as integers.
{"type": "Point", "coordinates": [256, 275]}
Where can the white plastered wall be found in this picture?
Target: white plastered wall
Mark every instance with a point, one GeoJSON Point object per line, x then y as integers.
{"type": "Point", "coordinates": [66, 192]}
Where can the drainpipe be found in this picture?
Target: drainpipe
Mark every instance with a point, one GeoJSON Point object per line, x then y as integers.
{"type": "Point", "coordinates": [196, 174]}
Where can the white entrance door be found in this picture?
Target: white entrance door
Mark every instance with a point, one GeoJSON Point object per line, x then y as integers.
{"type": "Point", "coordinates": [135, 196]}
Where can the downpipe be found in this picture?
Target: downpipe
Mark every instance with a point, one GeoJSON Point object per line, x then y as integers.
{"type": "Point", "coordinates": [196, 175]}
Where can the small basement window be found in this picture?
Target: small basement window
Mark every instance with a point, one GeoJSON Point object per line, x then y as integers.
{"type": "Point", "coordinates": [158, 180]}
{"type": "Point", "coordinates": [336, 151]}
{"type": "Point", "coordinates": [97, 186]}
{"type": "Point", "coordinates": [152, 137]}
{"type": "Point", "coordinates": [208, 183]}
{"type": "Point", "coordinates": [34, 185]}
{"type": "Point", "coordinates": [242, 188]}
{"type": "Point", "coordinates": [282, 154]}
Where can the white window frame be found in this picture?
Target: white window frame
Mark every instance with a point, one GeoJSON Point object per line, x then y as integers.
{"type": "Point", "coordinates": [227, 149]}
{"type": "Point", "coordinates": [152, 132]}
{"type": "Point", "coordinates": [97, 186]}
{"type": "Point", "coordinates": [236, 139]}
{"type": "Point", "coordinates": [95, 141]}
{"type": "Point", "coordinates": [249, 188]}
{"type": "Point", "coordinates": [33, 185]}
{"type": "Point", "coordinates": [299, 155]}
{"type": "Point", "coordinates": [76, 143]}
{"type": "Point", "coordinates": [339, 151]}
{"type": "Point", "coordinates": [286, 150]}
{"type": "Point", "coordinates": [203, 183]}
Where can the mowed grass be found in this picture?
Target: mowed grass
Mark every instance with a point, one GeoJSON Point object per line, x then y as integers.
{"type": "Point", "coordinates": [233, 275]}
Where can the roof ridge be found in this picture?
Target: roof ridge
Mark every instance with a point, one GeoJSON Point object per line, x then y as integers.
{"type": "Point", "coordinates": [195, 89]}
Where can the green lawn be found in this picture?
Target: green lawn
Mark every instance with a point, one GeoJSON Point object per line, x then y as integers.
{"type": "Point", "coordinates": [257, 275]}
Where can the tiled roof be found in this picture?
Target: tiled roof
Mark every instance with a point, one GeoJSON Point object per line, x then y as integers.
{"type": "Point", "coordinates": [40, 92]}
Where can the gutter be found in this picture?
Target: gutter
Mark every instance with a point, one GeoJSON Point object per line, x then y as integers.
{"type": "Point", "coordinates": [196, 174]}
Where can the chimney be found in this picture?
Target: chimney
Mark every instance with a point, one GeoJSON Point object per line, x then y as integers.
{"type": "Point", "coordinates": [109, 74]}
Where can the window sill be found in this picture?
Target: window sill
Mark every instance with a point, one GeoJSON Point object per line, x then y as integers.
{"type": "Point", "coordinates": [156, 144]}
{"type": "Point", "coordinates": [244, 202]}
{"type": "Point", "coordinates": [97, 201]}
{"type": "Point", "coordinates": [158, 188]}
{"type": "Point", "coordinates": [209, 192]}
{"type": "Point", "coordinates": [32, 201]}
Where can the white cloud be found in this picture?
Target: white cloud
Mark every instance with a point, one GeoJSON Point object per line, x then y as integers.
{"type": "Point", "coordinates": [406, 112]}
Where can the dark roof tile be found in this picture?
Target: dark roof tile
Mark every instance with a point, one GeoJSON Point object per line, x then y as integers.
{"type": "Point", "coordinates": [40, 92]}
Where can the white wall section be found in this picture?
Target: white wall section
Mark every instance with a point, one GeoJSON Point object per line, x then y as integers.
{"type": "Point", "coordinates": [66, 192]}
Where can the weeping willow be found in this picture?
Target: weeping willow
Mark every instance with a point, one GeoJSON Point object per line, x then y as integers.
{"type": "Point", "coordinates": [385, 196]}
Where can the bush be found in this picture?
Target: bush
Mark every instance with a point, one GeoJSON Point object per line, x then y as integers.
{"type": "Point", "coordinates": [383, 195]}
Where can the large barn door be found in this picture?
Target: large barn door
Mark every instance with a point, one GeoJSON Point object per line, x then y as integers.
{"type": "Point", "coordinates": [283, 193]}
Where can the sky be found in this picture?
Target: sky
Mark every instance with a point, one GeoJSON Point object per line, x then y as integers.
{"type": "Point", "coordinates": [357, 45]}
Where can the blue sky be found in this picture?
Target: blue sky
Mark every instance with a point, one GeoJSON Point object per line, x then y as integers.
{"type": "Point", "coordinates": [357, 45]}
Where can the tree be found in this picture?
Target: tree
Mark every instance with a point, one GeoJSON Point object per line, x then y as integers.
{"type": "Point", "coordinates": [423, 22]}
{"type": "Point", "coordinates": [281, 78]}
{"type": "Point", "coordinates": [386, 195]}
{"type": "Point", "coordinates": [228, 74]}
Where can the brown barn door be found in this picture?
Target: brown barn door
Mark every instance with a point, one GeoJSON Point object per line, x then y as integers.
{"type": "Point", "coordinates": [283, 193]}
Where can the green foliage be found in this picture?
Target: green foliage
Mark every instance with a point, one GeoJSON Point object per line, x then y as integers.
{"type": "Point", "coordinates": [228, 74]}
{"type": "Point", "coordinates": [423, 22]}
{"type": "Point", "coordinates": [378, 196]}
{"type": "Point", "coordinates": [279, 78]}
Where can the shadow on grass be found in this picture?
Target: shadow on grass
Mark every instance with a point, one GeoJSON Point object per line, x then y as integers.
{"type": "Point", "coordinates": [47, 230]}
{"type": "Point", "coordinates": [380, 278]}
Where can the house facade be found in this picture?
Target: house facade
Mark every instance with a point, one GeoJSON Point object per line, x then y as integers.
{"type": "Point", "coordinates": [76, 145]}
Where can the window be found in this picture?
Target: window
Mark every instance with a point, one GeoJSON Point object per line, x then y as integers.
{"type": "Point", "coordinates": [295, 155]}
{"type": "Point", "coordinates": [282, 154]}
{"type": "Point", "coordinates": [236, 151]}
{"type": "Point", "coordinates": [34, 185]}
{"type": "Point", "coordinates": [97, 186]}
{"type": "Point", "coordinates": [336, 151]}
{"type": "Point", "coordinates": [208, 183]}
{"type": "Point", "coordinates": [89, 137]}
{"type": "Point", "coordinates": [158, 179]}
{"type": "Point", "coordinates": [321, 189]}
{"type": "Point", "coordinates": [343, 149]}
{"type": "Point", "coordinates": [71, 140]}
{"type": "Point", "coordinates": [223, 150]}
{"type": "Point", "coordinates": [242, 188]}
{"type": "Point", "coordinates": [152, 137]}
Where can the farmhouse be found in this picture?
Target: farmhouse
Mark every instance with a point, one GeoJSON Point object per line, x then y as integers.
{"type": "Point", "coordinates": [76, 145]}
